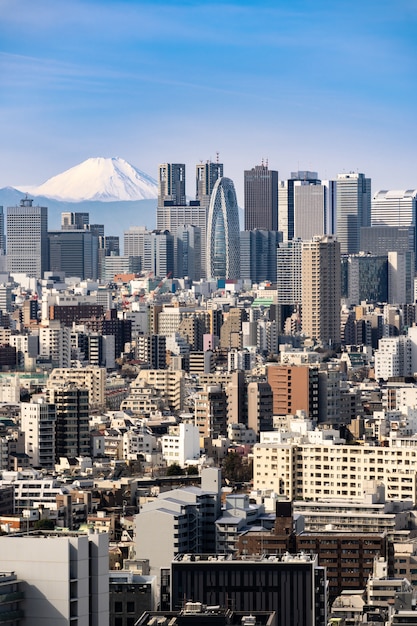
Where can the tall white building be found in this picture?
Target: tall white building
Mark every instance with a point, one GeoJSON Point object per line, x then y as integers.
{"type": "Point", "coordinates": [65, 579]}
{"type": "Point", "coordinates": [133, 241]}
{"type": "Point", "coordinates": [37, 422]}
{"type": "Point", "coordinates": [393, 357]}
{"type": "Point", "coordinates": [400, 277]}
{"type": "Point", "coordinates": [27, 239]}
{"type": "Point", "coordinates": [181, 444]}
{"type": "Point", "coordinates": [55, 343]}
{"type": "Point", "coordinates": [394, 208]}
{"type": "Point", "coordinates": [310, 206]}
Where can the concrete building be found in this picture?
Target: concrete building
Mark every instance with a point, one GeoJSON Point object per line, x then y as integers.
{"type": "Point", "coordinates": [286, 201]}
{"type": "Point", "coordinates": [37, 422]}
{"type": "Point", "coordinates": [188, 252]}
{"type": "Point", "coordinates": [55, 343]}
{"type": "Point", "coordinates": [74, 252]}
{"type": "Point", "coordinates": [27, 239]}
{"type": "Point", "coordinates": [321, 289]}
{"type": "Point", "coordinates": [183, 519]}
{"type": "Point", "coordinates": [401, 269]}
{"type": "Point", "coordinates": [261, 198]}
{"type": "Point", "coordinates": [310, 209]}
{"type": "Point", "coordinates": [158, 253]}
{"type": "Point", "coordinates": [72, 420]}
{"type": "Point", "coordinates": [171, 184]}
{"type": "Point", "coordinates": [64, 579]}
{"type": "Point", "coordinates": [169, 383]}
{"type": "Point", "coordinates": [181, 444]}
{"type": "Point", "coordinates": [330, 471]}
{"type": "Point", "coordinates": [294, 388]}
{"type": "Point", "coordinates": [353, 209]}
{"type": "Point", "coordinates": [210, 411]}
{"type": "Point", "coordinates": [91, 378]}
{"type": "Point", "coordinates": [294, 586]}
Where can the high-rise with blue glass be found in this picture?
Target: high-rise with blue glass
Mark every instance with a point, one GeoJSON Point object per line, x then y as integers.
{"type": "Point", "coordinates": [223, 234]}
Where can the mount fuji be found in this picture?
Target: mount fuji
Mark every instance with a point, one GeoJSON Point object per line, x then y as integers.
{"type": "Point", "coordinates": [98, 179]}
{"type": "Point", "coordinates": [111, 190]}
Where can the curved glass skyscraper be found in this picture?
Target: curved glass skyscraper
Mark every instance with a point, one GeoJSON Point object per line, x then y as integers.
{"type": "Point", "coordinates": [223, 232]}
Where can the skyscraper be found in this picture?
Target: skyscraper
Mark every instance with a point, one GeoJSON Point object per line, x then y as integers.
{"type": "Point", "coordinates": [353, 203]}
{"type": "Point", "coordinates": [321, 289]}
{"type": "Point", "coordinates": [2, 235]}
{"type": "Point", "coordinates": [188, 259]}
{"type": "Point", "coordinates": [223, 235]}
{"type": "Point", "coordinates": [27, 234]}
{"type": "Point", "coordinates": [261, 198]}
{"type": "Point", "coordinates": [158, 254]}
{"type": "Point", "coordinates": [171, 184]}
{"type": "Point", "coordinates": [74, 252]}
{"type": "Point", "coordinates": [206, 175]}
{"type": "Point", "coordinates": [258, 255]}
{"type": "Point", "coordinates": [286, 201]}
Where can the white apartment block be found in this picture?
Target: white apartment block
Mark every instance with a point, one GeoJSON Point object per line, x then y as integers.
{"type": "Point", "coordinates": [55, 343]}
{"type": "Point", "coordinates": [393, 357]}
{"type": "Point", "coordinates": [182, 444]}
{"type": "Point", "coordinates": [308, 471]}
{"type": "Point", "coordinates": [138, 441]}
{"type": "Point", "coordinates": [37, 422]}
{"type": "Point", "coordinates": [91, 378]}
{"type": "Point", "coordinates": [65, 579]}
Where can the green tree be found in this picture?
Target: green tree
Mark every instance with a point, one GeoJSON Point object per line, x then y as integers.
{"type": "Point", "coordinates": [44, 524]}
{"type": "Point", "coordinates": [236, 469]}
{"type": "Point", "coordinates": [192, 470]}
{"type": "Point", "coordinates": [175, 470]}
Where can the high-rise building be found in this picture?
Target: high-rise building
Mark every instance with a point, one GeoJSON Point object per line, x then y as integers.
{"type": "Point", "coordinates": [261, 198]}
{"type": "Point", "coordinates": [364, 278]}
{"type": "Point", "coordinates": [27, 235]}
{"type": "Point", "coordinates": [400, 277]}
{"type": "Point", "coordinates": [64, 578]}
{"type": "Point", "coordinates": [133, 241]}
{"type": "Point", "coordinates": [223, 232]}
{"type": "Point", "coordinates": [74, 221]}
{"type": "Point", "coordinates": [188, 257]}
{"type": "Point", "coordinates": [37, 422]}
{"type": "Point", "coordinates": [158, 256]}
{"type": "Point", "coordinates": [353, 208]}
{"type": "Point", "coordinates": [394, 208]}
{"type": "Point", "coordinates": [171, 184]}
{"type": "Point", "coordinates": [321, 289]}
{"type": "Point", "coordinates": [258, 255]}
{"type": "Point", "coordinates": [381, 239]}
{"type": "Point", "coordinates": [2, 235]}
{"type": "Point", "coordinates": [74, 252]}
{"type": "Point", "coordinates": [310, 209]}
{"type": "Point", "coordinates": [294, 388]}
{"type": "Point", "coordinates": [72, 436]}
{"type": "Point", "coordinates": [288, 278]}
{"type": "Point", "coordinates": [286, 201]}
{"type": "Point", "coordinates": [206, 175]}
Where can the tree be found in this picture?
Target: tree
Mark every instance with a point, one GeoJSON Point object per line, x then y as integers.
{"type": "Point", "coordinates": [175, 470]}
{"type": "Point", "coordinates": [192, 470]}
{"type": "Point", "coordinates": [44, 524]}
{"type": "Point", "coordinates": [234, 468]}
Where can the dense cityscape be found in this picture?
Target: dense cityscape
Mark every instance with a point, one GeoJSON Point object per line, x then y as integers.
{"type": "Point", "coordinates": [219, 423]}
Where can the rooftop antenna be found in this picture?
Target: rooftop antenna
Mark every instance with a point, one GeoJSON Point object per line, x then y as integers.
{"type": "Point", "coordinates": [262, 161]}
{"type": "Point", "coordinates": [217, 157]}
{"type": "Point", "coordinates": [267, 162]}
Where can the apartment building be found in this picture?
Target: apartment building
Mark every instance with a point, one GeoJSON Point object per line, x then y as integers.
{"type": "Point", "coordinates": [91, 378]}
{"type": "Point", "coordinates": [309, 471]}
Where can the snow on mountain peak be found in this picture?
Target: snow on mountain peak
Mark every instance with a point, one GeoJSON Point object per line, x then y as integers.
{"type": "Point", "coordinates": [99, 178]}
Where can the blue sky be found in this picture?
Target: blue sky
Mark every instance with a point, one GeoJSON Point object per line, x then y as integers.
{"type": "Point", "coordinates": [326, 86]}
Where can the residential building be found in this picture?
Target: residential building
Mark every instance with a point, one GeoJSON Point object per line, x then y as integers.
{"type": "Point", "coordinates": [321, 289]}
{"type": "Point", "coordinates": [91, 378]}
{"type": "Point", "coordinates": [72, 420]}
{"type": "Point", "coordinates": [37, 422]}
{"type": "Point", "coordinates": [294, 388]}
{"type": "Point", "coordinates": [64, 579]}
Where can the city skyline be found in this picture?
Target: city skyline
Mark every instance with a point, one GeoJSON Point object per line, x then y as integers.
{"type": "Point", "coordinates": [329, 90]}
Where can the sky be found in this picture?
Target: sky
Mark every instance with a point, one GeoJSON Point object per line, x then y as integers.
{"type": "Point", "coordinates": [324, 86]}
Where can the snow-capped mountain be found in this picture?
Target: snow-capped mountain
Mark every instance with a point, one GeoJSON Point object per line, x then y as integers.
{"type": "Point", "coordinates": [99, 179]}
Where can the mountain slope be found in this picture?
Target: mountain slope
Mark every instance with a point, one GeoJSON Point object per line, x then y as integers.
{"type": "Point", "coordinates": [99, 179]}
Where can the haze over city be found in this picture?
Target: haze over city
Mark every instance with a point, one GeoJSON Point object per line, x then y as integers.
{"type": "Point", "coordinates": [323, 86]}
